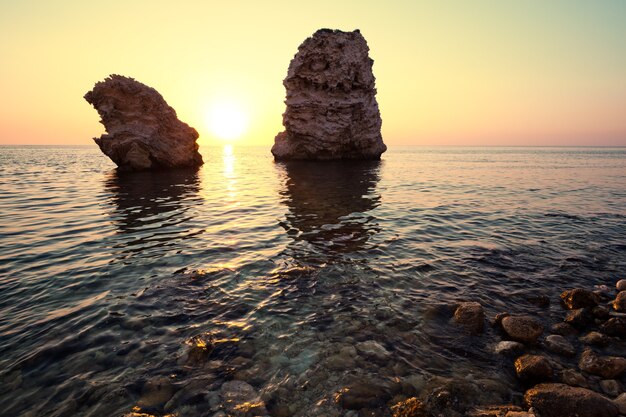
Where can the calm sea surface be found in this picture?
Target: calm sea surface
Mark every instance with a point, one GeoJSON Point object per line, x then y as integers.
{"type": "Point", "coordinates": [108, 281]}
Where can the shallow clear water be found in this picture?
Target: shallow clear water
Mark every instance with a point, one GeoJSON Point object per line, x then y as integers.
{"type": "Point", "coordinates": [107, 279]}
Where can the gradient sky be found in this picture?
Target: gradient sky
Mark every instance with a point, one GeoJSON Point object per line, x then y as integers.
{"type": "Point", "coordinates": [531, 72]}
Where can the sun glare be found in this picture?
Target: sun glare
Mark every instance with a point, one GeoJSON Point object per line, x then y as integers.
{"type": "Point", "coordinates": [227, 120]}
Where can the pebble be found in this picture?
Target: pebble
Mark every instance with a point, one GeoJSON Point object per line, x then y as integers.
{"type": "Point", "coordinates": [558, 344]}
{"type": "Point", "coordinates": [573, 378]}
{"type": "Point", "coordinates": [610, 387]}
{"type": "Point", "coordinates": [621, 285]}
{"type": "Point", "coordinates": [595, 338]}
{"type": "Point", "coordinates": [508, 347]}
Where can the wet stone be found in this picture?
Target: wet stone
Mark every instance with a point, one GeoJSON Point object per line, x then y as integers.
{"type": "Point", "coordinates": [573, 378]}
{"type": "Point", "coordinates": [508, 347]}
{"type": "Point", "coordinates": [601, 312]}
{"type": "Point", "coordinates": [563, 329]}
{"type": "Point", "coordinates": [610, 387]}
{"type": "Point", "coordinates": [579, 298]}
{"type": "Point", "coordinates": [579, 318]}
{"type": "Point", "coordinates": [533, 368]}
{"type": "Point", "coordinates": [558, 344]}
{"type": "Point", "coordinates": [615, 326]}
{"type": "Point", "coordinates": [559, 400]}
{"type": "Point", "coordinates": [523, 329]}
{"type": "Point", "coordinates": [621, 285]}
{"type": "Point", "coordinates": [608, 367]}
{"type": "Point", "coordinates": [619, 304]}
{"type": "Point", "coordinates": [471, 316]}
{"type": "Point", "coordinates": [595, 339]}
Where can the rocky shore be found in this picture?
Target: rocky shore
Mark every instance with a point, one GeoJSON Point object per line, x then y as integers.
{"type": "Point", "coordinates": [574, 367]}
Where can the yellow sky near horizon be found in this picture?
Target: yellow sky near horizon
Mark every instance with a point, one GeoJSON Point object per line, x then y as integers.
{"type": "Point", "coordinates": [448, 72]}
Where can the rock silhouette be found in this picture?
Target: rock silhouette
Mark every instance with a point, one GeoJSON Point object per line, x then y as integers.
{"type": "Point", "coordinates": [143, 131]}
{"type": "Point", "coordinates": [332, 111]}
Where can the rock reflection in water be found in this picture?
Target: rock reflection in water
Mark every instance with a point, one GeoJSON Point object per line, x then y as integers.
{"type": "Point", "coordinates": [329, 203]}
{"type": "Point", "coordinates": [150, 209]}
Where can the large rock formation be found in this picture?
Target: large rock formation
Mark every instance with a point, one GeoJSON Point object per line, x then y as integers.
{"type": "Point", "coordinates": [332, 111]}
{"type": "Point", "coordinates": [143, 131]}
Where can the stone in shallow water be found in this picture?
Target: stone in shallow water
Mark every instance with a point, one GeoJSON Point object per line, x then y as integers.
{"type": "Point", "coordinates": [558, 344]}
{"type": "Point", "coordinates": [615, 326]}
{"type": "Point", "coordinates": [508, 347]}
{"type": "Point", "coordinates": [240, 399]}
{"type": "Point", "coordinates": [533, 368]}
{"type": "Point", "coordinates": [523, 329]}
{"type": "Point", "coordinates": [156, 391]}
{"type": "Point", "coordinates": [373, 350]}
{"type": "Point", "coordinates": [579, 298]}
{"type": "Point", "coordinates": [471, 315]}
{"type": "Point", "coordinates": [332, 111]}
{"type": "Point", "coordinates": [621, 285]}
{"type": "Point", "coordinates": [610, 387]}
{"type": "Point", "coordinates": [573, 378]}
{"type": "Point", "coordinates": [559, 400]}
{"type": "Point", "coordinates": [595, 338]}
{"type": "Point", "coordinates": [608, 367]}
{"type": "Point", "coordinates": [143, 131]}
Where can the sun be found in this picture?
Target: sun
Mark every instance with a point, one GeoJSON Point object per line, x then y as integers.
{"type": "Point", "coordinates": [227, 120]}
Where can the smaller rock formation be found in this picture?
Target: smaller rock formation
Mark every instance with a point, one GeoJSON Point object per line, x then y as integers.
{"type": "Point", "coordinates": [143, 131]}
{"type": "Point", "coordinates": [332, 111]}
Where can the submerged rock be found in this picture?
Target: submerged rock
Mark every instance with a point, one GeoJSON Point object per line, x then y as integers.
{"type": "Point", "coordinates": [471, 315]}
{"type": "Point", "coordinates": [332, 111]}
{"type": "Point", "coordinates": [560, 400]}
{"type": "Point", "coordinates": [143, 131]}
{"type": "Point", "coordinates": [240, 399]}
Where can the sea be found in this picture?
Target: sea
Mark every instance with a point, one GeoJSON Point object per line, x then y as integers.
{"type": "Point", "coordinates": [144, 293]}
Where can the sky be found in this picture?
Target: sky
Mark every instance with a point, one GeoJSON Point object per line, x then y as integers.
{"type": "Point", "coordinates": [479, 73]}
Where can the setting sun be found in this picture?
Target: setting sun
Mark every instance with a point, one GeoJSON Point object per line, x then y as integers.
{"type": "Point", "coordinates": [227, 120]}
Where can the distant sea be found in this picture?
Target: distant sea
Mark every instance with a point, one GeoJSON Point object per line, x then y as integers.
{"type": "Point", "coordinates": [108, 281]}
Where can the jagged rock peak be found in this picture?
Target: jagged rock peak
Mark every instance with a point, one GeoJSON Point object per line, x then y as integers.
{"type": "Point", "coordinates": [143, 131]}
{"type": "Point", "coordinates": [332, 111]}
